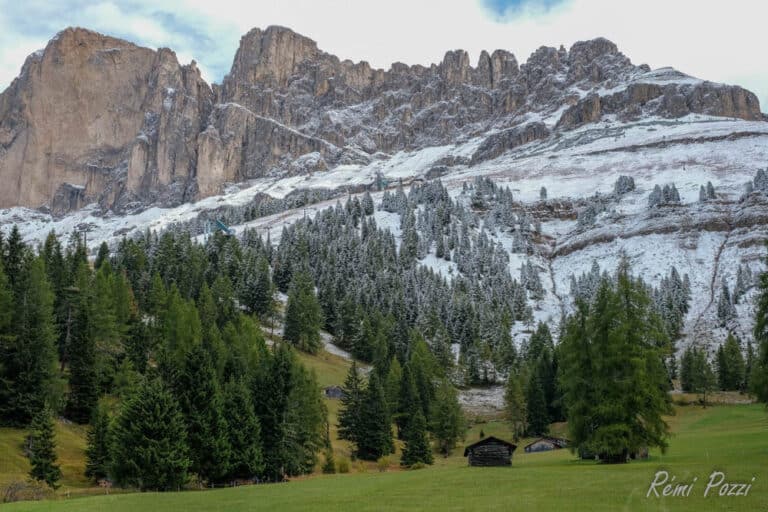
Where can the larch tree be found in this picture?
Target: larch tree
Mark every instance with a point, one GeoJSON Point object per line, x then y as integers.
{"type": "Point", "coordinates": [612, 371]}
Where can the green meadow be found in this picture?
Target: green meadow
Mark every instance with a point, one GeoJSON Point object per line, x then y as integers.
{"type": "Point", "coordinates": [728, 438]}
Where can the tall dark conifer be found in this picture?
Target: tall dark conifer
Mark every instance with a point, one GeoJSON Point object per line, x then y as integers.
{"type": "Point", "coordinates": [97, 452]}
{"type": "Point", "coordinates": [29, 358]}
{"type": "Point", "coordinates": [375, 423]}
{"type": "Point", "coordinates": [200, 400]}
{"type": "Point", "coordinates": [42, 449]}
{"type": "Point", "coordinates": [83, 377]}
{"type": "Point", "coordinates": [244, 431]}
{"type": "Point", "coordinates": [150, 441]}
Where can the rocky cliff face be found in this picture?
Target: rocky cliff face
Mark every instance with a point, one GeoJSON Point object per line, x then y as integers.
{"type": "Point", "coordinates": [93, 118]}
{"type": "Point", "coordinates": [97, 118]}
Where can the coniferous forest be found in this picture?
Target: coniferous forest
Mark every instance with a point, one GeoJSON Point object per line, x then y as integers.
{"type": "Point", "coordinates": [160, 344]}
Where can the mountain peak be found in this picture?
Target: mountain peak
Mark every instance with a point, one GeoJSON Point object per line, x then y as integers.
{"type": "Point", "coordinates": [97, 118]}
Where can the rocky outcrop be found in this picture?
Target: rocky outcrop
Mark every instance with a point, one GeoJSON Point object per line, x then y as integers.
{"type": "Point", "coordinates": [94, 118]}
{"type": "Point", "coordinates": [96, 113]}
{"type": "Point", "coordinates": [498, 143]}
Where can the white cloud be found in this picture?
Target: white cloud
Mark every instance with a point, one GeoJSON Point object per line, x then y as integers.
{"type": "Point", "coordinates": [705, 39]}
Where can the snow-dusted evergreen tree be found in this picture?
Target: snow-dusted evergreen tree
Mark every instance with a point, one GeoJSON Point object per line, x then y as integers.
{"type": "Point", "coordinates": [726, 311]}
{"type": "Point", "coordinates": [543, 193]}
{"type": "Point", "coordinates": [710, 190]}
{"type": "Point", "coordinates": [702, 194]}
{"type": "Point", "coordinates": [761, 181]}
{"type": "Point", "coordinates": [655, 198]}
{"type": "Point", "coordinates": [624, 185]}
{"type": "Point", "coordinates": [529, 278]}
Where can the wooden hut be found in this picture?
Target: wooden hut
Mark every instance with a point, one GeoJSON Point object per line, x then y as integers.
{"type": "Point", "coordinates": [334, 392]}
{"type": "Point", "coordinates": [545, 444]}
{"type": "Point", "coordinates": [490, 451]}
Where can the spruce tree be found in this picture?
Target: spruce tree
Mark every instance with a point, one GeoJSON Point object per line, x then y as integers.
{"type": "Point", "coordinates": [375, 438]}
{"type": "Point", "coordinates": [201, 404]}
{"type": "Point", "coordinates": [102, 255]}
{"type": "Point", "coordinates": [29, 357]}
{"type": "Point", "coordinates": [730, 365]}
{"type": "Point", "coordinates": [150, 441]}
{"type": "Point", "coordinates": [417, 448]}
{"type": "Point", "coordinates": [42, 449]}
{"type": "Point", "coordinates": [7, 345]}
{"type": "Point", "coordinates": [408, 401]}
{"type": "Point", "coordinates": [244, 431]}
{"type": "Point", "coordinates": [351, 406]}
{"type": "Point", "coordinates": [83, 376]}
{"type": "Point", "coordinates": [392, 385]}
{"type": "Point", "coordinates": [271, 388]}
{"type": "Point", "coordinates": [303, 316]}
{"type": "Point", "coordinates": [306, 422]}
{"type": "Point", "coordinates": [536, 410]}
{"type": "Point", "coordinates": [97, 454]}
{"type": "Point", "coordinates": [758, 377]}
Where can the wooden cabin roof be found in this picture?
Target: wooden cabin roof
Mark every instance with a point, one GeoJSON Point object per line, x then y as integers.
{"type": "Point", "coordinates": [557, 441]}
{"type": "Point", "coordinates": [490, 440]}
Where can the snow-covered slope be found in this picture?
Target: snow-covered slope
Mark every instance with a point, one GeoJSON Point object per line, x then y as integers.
{"type": "Point", "coordinates": [707, 240]}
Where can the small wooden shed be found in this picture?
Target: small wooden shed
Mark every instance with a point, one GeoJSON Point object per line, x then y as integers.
{"type": "Point", "coordinates": [490, 451]}
{"type": "Point", "coordinates": [334, 392]}
{"type": "Point", "coordinates": [545, 444]}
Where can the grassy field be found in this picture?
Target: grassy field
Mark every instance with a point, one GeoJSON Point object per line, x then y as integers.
{"type": "Point", "coordinates": [71, 449]}
{"type": "Point", "coordinates": [728, 438]}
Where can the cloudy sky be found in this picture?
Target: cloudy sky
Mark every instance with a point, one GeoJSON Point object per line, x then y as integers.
{"type": "Point", "coordinates": [719, 41]}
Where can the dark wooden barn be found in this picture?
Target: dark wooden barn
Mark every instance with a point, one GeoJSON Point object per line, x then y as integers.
{"type": "Point", "coordinates": [545, 444]}
{"type": "Point", "coordinates": [490, 451]}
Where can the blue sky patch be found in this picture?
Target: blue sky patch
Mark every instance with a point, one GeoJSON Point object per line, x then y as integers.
{"type": "Point", "coordinates": [508, 8]}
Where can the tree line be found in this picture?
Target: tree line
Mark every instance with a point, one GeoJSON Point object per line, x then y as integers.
{"type": "Point", "coordinates": [200, 395]}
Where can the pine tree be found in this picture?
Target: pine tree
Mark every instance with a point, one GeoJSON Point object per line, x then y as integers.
{"type": "Point", "coordinates": [351, 406]}
{"type": "Point", "coordinates": [417, 448]}
{"type": "Point", "coordinates": [375, 438]}
{"type": "Point", "coordinates": [98, 460]}
{"type": "Point", "coordinates": [244, 431]}
{"type": "Point", "coordinates": [150, 441]}
{"type": "Point", "coordinates": [446, 418]}
{"type": "Point", "coordinates": [515, 406]}
{"type": "Point", "coordinates": [303, 316]}
{"type": "Point", "coordinates": [42, 449]}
